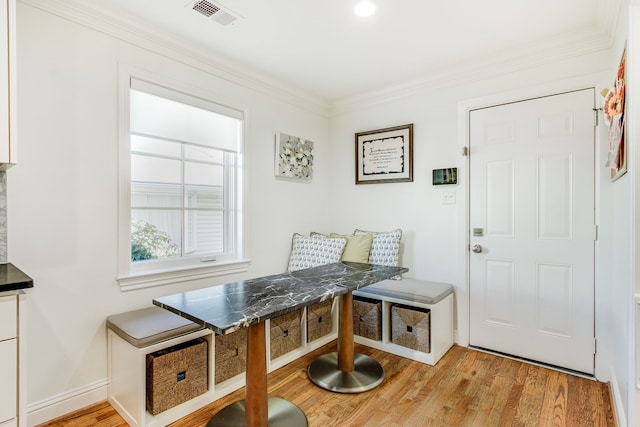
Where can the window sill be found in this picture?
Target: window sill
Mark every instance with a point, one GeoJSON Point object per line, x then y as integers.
{"type": "Point", "coordinates": [167, 277]}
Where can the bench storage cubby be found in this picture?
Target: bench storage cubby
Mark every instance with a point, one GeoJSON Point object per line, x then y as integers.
{"type": "Point", "coordinates": [319, 320]}
{"type": "Point", "coordinates": [367, 318]}
{"type": "Point", "coordinates": [410, 327]}
{"type": "Point", "coordinates": [131, 338]}
{"type": "Point", "coordinates": [134, 335]}
{"type": "Point", "coordinates": [230, 355]}
{"type": "Point", "coordinates": [437, 298]}
{"type": "Point", "coordinates": [176, 374]}
{"type": "Point", "coordinates": [285, 333]}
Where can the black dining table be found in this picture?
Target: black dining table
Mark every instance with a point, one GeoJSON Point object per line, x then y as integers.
{"type": "Point", "coordinates": [248, 303]}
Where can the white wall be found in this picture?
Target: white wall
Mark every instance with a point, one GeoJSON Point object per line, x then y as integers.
{"type": "Point", "coordinates": [63, 196]}
{"type": "Point", "coordinates": [434, 233]}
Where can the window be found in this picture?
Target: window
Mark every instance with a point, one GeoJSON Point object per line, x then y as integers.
{"type": "Point", "coordinates": [180, 187]}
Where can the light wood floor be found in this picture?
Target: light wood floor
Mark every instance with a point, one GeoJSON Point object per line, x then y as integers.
{"type": "Point", "coordinates": [466, 388]}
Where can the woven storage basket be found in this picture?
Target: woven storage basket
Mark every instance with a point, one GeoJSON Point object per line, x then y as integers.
{"type": "Point", "coordinates": [285, 333]}
{"type": "Point", "coordinates": [319, 320]}
{"type": "Point", "coordinates": [230, 355]}
{"type": "Point", "coordinates": [176, 374]}
{"type": "Point", "coordinates": [367, 318]}
{"type": "Point", "coordinates": [410, 327]}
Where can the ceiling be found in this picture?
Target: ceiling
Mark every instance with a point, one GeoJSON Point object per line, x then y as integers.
{"type": "Point", "coordinates": [323, 49]}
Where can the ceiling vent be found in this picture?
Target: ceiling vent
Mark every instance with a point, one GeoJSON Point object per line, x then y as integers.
{"type": "Point", "coordinates": [214, 11]}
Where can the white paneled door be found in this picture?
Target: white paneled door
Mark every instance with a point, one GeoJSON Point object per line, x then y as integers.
{"type": "Point", "coordinates": [532, 229]}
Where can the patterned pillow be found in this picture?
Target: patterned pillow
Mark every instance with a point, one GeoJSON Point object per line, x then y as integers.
{"type": "Point", "coordinates": [307, 252]}
{"type": "Point", "coordinates": [385, 248]}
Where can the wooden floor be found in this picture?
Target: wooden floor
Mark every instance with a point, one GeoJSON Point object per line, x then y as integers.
{"type": "Point", "coordinates": [466, 388]}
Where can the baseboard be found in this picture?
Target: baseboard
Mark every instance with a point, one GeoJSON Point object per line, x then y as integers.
{"type": "Point", "coordinates": [59, 405]}
{"type": "Point", "coordinates": [618, 406]}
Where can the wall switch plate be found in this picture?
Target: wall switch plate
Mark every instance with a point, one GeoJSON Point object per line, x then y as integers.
{"type": "Point", "coordinates": [448, 198]}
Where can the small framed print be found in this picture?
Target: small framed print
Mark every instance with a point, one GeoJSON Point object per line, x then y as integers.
{"type": "Point", "coordinates": [385, 155]}
{"type": "Point", "coordinates": [293, 157]}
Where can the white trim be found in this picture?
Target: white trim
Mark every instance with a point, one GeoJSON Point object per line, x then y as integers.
{"type": "Point", "coordinates": [64, 403]}
{"type": "Point", "coordinates": [184, 270]}
{"type": "Point", "coordinates": [155, 41]}
{"type": "Point", "coordinates": [474, 70]}
{"type": "Point", "coordinates": [159, 278]}
{"type": "Point", "coordinates": [571, 45]}
{"type": "Point", "coordinates": [618, 405]}
{"type": "Point", "coordinates": [464, 107]}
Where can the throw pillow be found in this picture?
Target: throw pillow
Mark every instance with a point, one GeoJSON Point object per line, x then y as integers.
{"type": "Point", "coordinates": [357, 248]}
{"type": "Point", "coordinates": [307, 252]}
{"type": "Point", "coordinates": [385, 248]}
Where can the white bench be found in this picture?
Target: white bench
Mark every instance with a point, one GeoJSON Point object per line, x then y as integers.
{"type": "Point", "coordinates": [130, 337]}
{"type": "Point", "coordinates": [437, 297]}
{"type": "Point", "coordinates": [133, 335]}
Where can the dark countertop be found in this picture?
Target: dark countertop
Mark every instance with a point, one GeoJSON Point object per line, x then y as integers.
{"type": "Point", "coordinates": [227, 308]}
{"type": "Point", "coordinates": [12, 278]}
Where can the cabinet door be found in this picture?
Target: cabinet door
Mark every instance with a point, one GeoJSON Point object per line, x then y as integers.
{"type": "Point", "coordinates": [8, 316]}
{"type": "Point", "coordinates": [8, 379]}
{"type": "Point", "coordinates": [8, 122]}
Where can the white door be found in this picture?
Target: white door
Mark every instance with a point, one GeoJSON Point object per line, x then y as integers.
{"type": "Point", "coordinates": [532, 227]}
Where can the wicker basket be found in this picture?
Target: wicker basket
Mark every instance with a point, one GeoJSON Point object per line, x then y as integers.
{"type": "Point", "coordinates": [410, 327]}
{"type": "Point", "coordinates": [285, 333]}
{"type": "Point", "coordinates": [367, 318]}
{"type": "Point", "coordinates": [176, 374]}
{"type": "Point", "coordinates": [319, 320]}
{"type": "Point", "coordinates": [230, 355]}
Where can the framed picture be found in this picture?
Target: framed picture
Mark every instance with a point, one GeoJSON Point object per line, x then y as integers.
{"type": "Point", "coordinates": [385, 155]}
{"type": "Point", "coordinates": [293, 157]}
{"type": "Point", "coordinates": [614, 114]}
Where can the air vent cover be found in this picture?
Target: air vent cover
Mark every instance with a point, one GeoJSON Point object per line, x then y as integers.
{"type": "Point", "coordinates": [214, 11]}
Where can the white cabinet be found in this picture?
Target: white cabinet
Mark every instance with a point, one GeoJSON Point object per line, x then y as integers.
{"type": "Point", "coordinates": [8, 108]}
{"type": "Point", "coordinates": [12, 346]}
{"type": "Point", "coordinates": [8, 380]}
{"type": "Point", "coordinates": [8, 357]}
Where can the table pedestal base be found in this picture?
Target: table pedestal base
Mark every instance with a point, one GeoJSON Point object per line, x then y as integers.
{"type": "Point", "coordinates": [282, 413]}
{"type": "Point", "coordinates": [366, 375]}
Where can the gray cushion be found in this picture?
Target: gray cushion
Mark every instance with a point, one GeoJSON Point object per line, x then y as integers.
{"type": "Point", "coordinates": [409, 290]}
{"type": "Point", "coordinates": [150, 325]}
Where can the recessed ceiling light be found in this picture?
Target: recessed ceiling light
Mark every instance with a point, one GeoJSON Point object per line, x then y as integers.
{"type": "Point", "coordinates": [364, 8]}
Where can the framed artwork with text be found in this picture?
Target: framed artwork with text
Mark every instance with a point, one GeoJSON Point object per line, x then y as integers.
{"type": "Point", "coordinates": [385, 155]}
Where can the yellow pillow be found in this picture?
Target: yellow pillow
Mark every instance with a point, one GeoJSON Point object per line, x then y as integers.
{"type": "Point", "coordinates": [357, 249]}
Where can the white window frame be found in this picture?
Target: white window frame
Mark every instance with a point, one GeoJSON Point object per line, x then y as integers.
{"type": "Point", "coordinates": [133, 276]}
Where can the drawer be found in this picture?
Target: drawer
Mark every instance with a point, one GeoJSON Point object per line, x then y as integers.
{"type": "Point", "coordinates": [8, 317]}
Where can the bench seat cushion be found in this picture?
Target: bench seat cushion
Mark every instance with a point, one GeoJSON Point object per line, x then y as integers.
{"type": "Point", "coordinates": [148, 326]}
{"type": "Point", "coordinates": [409, 290]}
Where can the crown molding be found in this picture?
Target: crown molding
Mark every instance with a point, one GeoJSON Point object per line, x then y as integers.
{"type": "Point", "coordinates": [563, 47]}
{"type": "Point", "coordinates": [473, 70]}
{"type": "Point", "coordinates": [608, 16]}
{"type": "Point", "coordinates": [208, 61]}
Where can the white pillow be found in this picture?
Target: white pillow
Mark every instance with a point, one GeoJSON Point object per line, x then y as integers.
{"type": "Point", "coordinates": [385, 248]}
{"type": "Point", "coordinates": [307, 252]}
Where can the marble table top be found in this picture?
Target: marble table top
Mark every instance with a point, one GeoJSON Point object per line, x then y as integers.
{"type": "Point", "coordinates": [229, 307]}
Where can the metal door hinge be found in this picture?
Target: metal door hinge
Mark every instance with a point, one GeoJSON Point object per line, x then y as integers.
{"type": "Point", "coordinates": [465, 151]}
{"type": "Point", "coordinates": [595, 232]}
{"type": "Point", "coordinates": [596, 118]}
{"type": "Point", "coordinates": [595, 347]}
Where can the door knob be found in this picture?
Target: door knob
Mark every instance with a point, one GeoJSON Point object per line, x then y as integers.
{"type": "Point", "coordinates": [476, 249]}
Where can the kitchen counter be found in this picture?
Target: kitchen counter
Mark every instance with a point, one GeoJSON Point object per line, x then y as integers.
{"type": "Point", "coordinates": [12, 278]}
